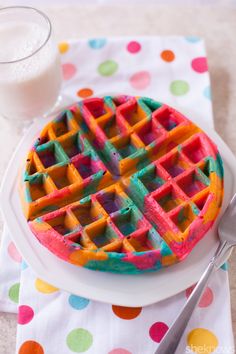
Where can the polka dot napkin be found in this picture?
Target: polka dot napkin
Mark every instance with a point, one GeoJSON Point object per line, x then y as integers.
{"type": "Point", "coordinates": [170, 69]}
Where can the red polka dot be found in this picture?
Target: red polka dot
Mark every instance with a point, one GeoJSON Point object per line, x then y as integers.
{"type": "Point", "coordinates": [25, 314]}
{"type": "Point", "coordinates": [167, 55]}
{"type": "Point", "coordinates": [206, 299]}
{"type": "Point", "coordinates": [200, 65]}
{"type": "Point", "coordinates": [126, 313]}
{"type": "Point", "coordinates": [133, 47]}
{"type": "Point", "coordinates": [31, 347]}
{"type": "Point", "coordinates": [157, 331]}
{"type": "Point", "coordinates": [13, 253]}
{"type": "Point", "coordinates": [140, 80]}
{"type": "Point", "coordinates": [68, 71]}
{"type": "Point", "coordinates": [119, 351]}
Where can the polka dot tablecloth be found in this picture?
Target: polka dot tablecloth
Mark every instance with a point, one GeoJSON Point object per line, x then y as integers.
{"type": "Point", "coordinates": [170, 69]}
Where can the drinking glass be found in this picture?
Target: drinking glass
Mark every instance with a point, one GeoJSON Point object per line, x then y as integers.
{"type": "Point", "coordinates": [30, 69]}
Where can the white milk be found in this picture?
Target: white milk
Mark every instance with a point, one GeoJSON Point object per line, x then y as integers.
{"type": "Point", "coordinates": [29, 87]}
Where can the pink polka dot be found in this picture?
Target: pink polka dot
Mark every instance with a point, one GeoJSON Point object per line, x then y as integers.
{"type": "Point", "coordinates": [13, 253]}
{"type": "Point", "coordinates": [119, 351]}
{"type": "Point", "coordinates": [25, 314]}
{"type": "Point", "coordinates": [133, 47]}
{"type": "Point", "coordinates": [206, 299]}
{"type": "Point", "coordinates": [68, 71]}
{"type": "Point", "coordinates": [157, 331]}
{"type": "Point", "coordinates": [200, 65]}
{"type": "Point", "coordinates": [140, 80]}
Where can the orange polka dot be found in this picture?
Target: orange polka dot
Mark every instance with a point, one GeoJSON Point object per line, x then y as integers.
{"type": "Point", "coordinates": [85, 92]}
{"type": "Point", "coordinates": [167, 55]}
{"type": "Point", "coordinates": [126, 313]}
{"type": "Point", "coordinates": [63, 47]}
{"type": "Point", "coordinates": [31, 347]}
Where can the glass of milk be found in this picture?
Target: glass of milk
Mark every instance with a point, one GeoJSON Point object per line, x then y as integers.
{"type": "Point", "coordinates": [30, 69]}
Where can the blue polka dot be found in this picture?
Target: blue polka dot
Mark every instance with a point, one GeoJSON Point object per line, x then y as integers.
{"type": "Point", "coordinates": [24, 265]}
{"type": "Point", "coordinates": [77, 302]}
{"type": "Point", "coordinates": [225, 266]}
{"type": "Point", "coordinates": [192, 39]}
{"type": "Point", "coordinates": [97, 43]}
{"type": "Point", "coordinates": [207, 92]}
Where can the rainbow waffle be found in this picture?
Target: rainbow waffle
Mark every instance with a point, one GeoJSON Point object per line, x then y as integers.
{"type": "Point", "coordinates": [122, 184]}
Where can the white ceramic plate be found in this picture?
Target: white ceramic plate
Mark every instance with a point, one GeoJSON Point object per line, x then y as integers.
{"type": "Point", "coordinates": [124, 290]}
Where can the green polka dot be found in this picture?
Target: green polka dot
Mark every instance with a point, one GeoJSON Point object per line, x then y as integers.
{"type": "Point", "coordinates": [107, 68]}
{"type": "Point", "coordinates": [14, 292]}
{"type": "Point", "coordinates": [179, 87]}
{"type": "Point", "coordinates": [79, 340]}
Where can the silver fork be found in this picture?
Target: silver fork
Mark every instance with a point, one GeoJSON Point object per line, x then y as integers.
{"type": "Point", "coordinates": [226, 230]}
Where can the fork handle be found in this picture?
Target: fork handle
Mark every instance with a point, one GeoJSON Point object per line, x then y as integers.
{"type": "Point", "coordinates": [172, 338]}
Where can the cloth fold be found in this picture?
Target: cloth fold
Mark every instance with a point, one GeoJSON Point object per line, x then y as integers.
{"type": "Point", "coordinates": [169, 69]}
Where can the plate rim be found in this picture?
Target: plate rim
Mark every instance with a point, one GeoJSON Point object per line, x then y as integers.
{"type": "Point", "coordinates": [121, 297]}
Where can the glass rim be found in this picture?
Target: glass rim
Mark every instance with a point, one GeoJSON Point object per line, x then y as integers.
{"type": "Point", "coordinates": [44, 42]}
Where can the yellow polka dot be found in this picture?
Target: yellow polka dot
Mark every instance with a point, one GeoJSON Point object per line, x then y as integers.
{"type": "Point", "coordinates": [63, 47]}
{"type": "Point", "coordinates": [44, 287]}
{"type": "Point", "coordinates": [202, 341]}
